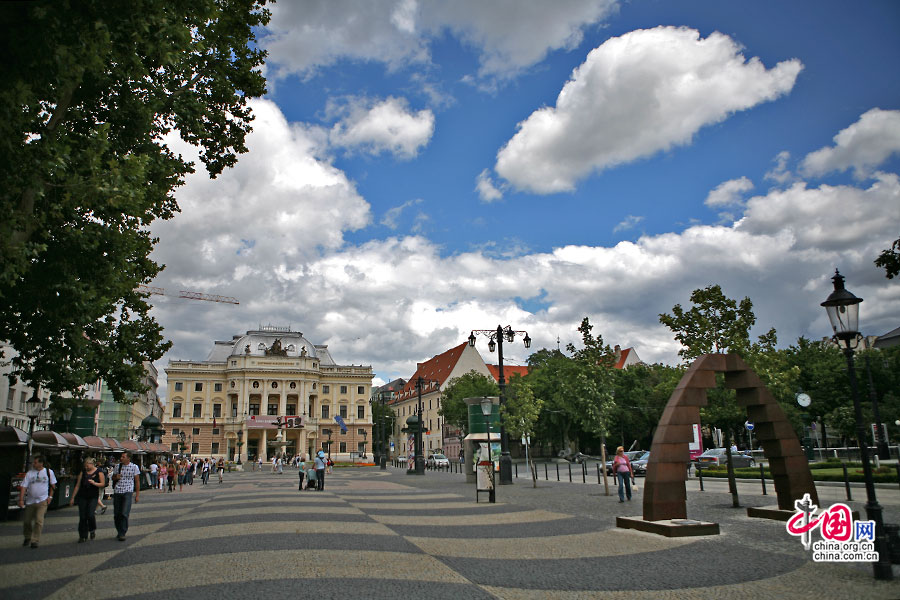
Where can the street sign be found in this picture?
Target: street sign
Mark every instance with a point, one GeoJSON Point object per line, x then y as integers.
{"type": "Point", "coordinates": [749, 425]}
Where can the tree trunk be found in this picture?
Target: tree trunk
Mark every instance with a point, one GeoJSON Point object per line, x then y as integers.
{"type": "Point", "coordinates": [603, 460]}
{"type": "Point", "coordinates": [732, 484]}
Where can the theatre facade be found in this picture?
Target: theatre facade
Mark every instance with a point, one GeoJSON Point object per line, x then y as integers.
{"type": "Point", "coordinates": [231, 404]}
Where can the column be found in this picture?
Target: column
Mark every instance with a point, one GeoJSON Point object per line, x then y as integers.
{"type": "Point", "coordinates": [263, 448]}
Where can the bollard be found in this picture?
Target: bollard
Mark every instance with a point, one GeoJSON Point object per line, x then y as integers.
{"type": "Point", "coordinates": [762, 477]}
{"type": "Point", "coordinates": [557, 471]}
{"type": "Point", "coordinates": [583, 472]}
{"type": "Point", "coordinates": [570, 472]}
{"type": "Point", "coordinates": [847, 481]}
{"type": "Point", "coordinates": [598, 473]}
{"type": "Point", "coordinates": [545, 473]}
{"type": "Point", "coordinates": [898, 471]}
{"type": "Point", "coordinates": [516, 467]}
{"type": "Point", "coordinates": [700, 475]}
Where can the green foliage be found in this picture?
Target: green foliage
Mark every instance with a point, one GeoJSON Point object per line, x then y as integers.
{"type": "Point", "coordinates": [715, 323]}
{"type": "Point", "coordinates": [641, 393]}
{"type": "Point", "coordinates": [90, 90]}
{"type": "Point", "coordinates": [521, 408]}
{"type": "Point", "coordinates": [470, 385]}
{"type": "Point", "coordinates": [889, 260]}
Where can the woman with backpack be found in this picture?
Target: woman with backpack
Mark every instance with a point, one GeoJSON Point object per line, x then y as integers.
{"type": "Point", "coordinates": [624, 473]}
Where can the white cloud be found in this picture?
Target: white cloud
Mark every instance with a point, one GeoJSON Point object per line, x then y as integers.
{"type": "Point", "coordinates": [633, 96]}
{"type": "Point", "coordinates": [509, 35]}
{"type": "Point", "coordinates": [780, 173]}
{"type": "Point", "coordinates": [862, 146]}
{"type": "Point", "coordinates": [729, 193]}
{"type": "Point", "coordinates": [629, 222]}
{"type": "Point", "coordinates": [382, 126]}
{"type": "Point", "coordinates": [392, 215]}
{"type": "Point", "coordinates": [485, 187]}
{"type": "Point", "coordinates": [271, 232]}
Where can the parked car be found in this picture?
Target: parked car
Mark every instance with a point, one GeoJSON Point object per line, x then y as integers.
{"type": "Point", "coordinates": [639, 464]}
{"type": "Point", "coordinates": [632, 456]}
{"type": "Point", "coordinates": [716, 456]}
{"type": "Point", "coordinates": [437, 461]}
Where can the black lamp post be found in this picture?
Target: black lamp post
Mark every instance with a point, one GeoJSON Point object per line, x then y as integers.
{"type": "Point", "coordinates": [33, 411]}
{"type": "Point", "coordinates": [240, 443]}
{"type": "Point", "coordinates": [843, 313]}
{"type": "Point", "coordinates": [365, 439]}
{"type": "Point", "coordinates": [495, 339]}
{"type": "Point", "coordinates": [182, 437]}
{"type": "Point", "coordinates": [329, 444]}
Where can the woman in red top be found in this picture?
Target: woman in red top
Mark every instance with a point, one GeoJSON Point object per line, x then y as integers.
{"type": "Point", "coordinates": [624, 473]}
{"type": "Point", "coordinates": [171, 475]}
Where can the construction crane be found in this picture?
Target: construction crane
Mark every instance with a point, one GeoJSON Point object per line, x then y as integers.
{"type": "Point", "coordinates": [158, 291]}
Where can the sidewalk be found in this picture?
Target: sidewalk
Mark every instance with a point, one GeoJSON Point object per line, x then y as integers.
{"type": "Point", "coordinates": [385, 534]}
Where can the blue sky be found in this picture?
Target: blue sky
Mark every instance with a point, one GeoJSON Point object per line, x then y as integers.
{"type": "Point", "coordinates": [695, 143]}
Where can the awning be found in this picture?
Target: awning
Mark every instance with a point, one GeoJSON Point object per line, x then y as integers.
{"type": "Point", "coordinates": [131, 446]}
{"type": "Point", "coordinates": [12, 436]}
{"type": "Point", "coordinates": [97, 443]}
{"type": "Point", "coordinates": [74, 440]}
{"type": "Point", "coordinates": [481, 437]}
{"type": "Point", "coordinates": [51, 439]}
{"type": "Point", "coordinates": [146, 446]}
{"type": "Point", "coordinates": [114, 444]}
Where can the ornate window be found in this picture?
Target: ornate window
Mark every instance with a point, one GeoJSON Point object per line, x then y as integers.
{"type": "Point", "coordinates": [255, 384]}
{"type": "Point", "coordinates": [293, 385]}
{"type": "Point", "coordinates": [274, 385]}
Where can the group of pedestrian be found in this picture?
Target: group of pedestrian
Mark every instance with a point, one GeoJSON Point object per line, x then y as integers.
{"type": "Point", "coordinates": [315, 475]}
{"type": "Point", "coordinates": [167, 475]}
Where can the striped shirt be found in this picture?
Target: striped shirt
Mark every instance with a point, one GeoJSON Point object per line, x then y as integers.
{"type": "Point", "coordinates": [125, 483]}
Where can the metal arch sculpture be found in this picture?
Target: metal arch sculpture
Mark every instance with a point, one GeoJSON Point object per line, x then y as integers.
{"type": "Point", "coordinates": [665, 496]}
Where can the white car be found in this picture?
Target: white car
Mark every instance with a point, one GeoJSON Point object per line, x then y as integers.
{"type": "Point", "coordinates": [438, 461]}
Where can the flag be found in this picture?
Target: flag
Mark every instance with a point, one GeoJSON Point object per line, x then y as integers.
{"type": "Point", "coordinates": [340, 421]}
{"type": "Point", "coordinates": [214, 422]}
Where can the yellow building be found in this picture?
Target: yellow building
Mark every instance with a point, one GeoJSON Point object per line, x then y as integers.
{"type": "Point", "coordinates": [235, 398]}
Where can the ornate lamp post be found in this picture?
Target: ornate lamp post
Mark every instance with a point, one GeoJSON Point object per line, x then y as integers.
{"type": "Point", "coordinates": [843, 313]}
{"type": "Point", "coordinates": [240, 443]}
{"type": "Point", "coordinates": [33, 411]}
{"type": "Point", "coordinates": [495, 339]}
{"type": "Point", "coordinates": [365, 438]}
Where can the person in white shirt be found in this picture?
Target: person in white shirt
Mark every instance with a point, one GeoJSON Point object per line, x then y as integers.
{"type": "Point", "coordinates": [154, 474]}
{"type": "Point", "coordinates": [126, 485]}
{"type": "Point", "coordinates": [35, 495]}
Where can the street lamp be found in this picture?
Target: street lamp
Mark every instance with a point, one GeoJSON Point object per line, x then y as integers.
{"type": "Point", "coordinates": [487, 407]}
{"type": "Point", "coordinates": [67, 416]}
{"type": "Point", "coordinates": [365, 438]}
{"type": "Point", "coordinates": [240, 443]}
{"type": "Point", "coordinates": [419, 466]}
{"type": "Point", "coordinates": [843, 313]}
{"type": "Point", "coordinates": [32, 411]}
{"type": "Point", "coordinates": [495, 340]}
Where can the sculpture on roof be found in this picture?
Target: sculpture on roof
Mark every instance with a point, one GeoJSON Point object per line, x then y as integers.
{"type": "Point", "coordinates": [303, 351]}
{"type": "Point", "coordinates": [275, 349]}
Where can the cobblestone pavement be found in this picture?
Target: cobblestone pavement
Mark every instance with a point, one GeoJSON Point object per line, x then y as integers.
{"type": "Point", "coordinates": [384, 534]}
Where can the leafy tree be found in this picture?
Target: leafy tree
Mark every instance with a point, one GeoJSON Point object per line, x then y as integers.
{"type": "Point", "coordinates": [641, 393]}
{"type": "Point", "coordinates": [546, 373]}
{"type": "Point", "coordinates": [588, 382]}
{"type": "Point", "coordinates": [90, 91]}
{"type": "Point", "coordinates": [715, 323]}
{"type": "Point", "coordinates": [470, 385]}
{"type": "Point", "coordinates": [520, 413]}
{"type": "Point", "coordinates": [889, 260]}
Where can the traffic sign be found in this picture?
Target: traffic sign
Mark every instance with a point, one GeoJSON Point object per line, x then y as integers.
{"type": "Point", "coordinates": [749, 425]}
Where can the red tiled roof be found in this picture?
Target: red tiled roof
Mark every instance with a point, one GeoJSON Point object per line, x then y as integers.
{"type": "Point", "coordinates": [437, 369]}
{"type": "Point", "coordinates": [508, 371]}
{"type": "Point", "coordinates": [620, 364]}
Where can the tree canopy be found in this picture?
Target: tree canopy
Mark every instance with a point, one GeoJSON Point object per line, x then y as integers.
{"type": "Point", "coordinates": [889, 260]}
{"type": "Point", "coordinates": [90, 91]}
{"type": "Point", "coordinates": [469, 385]}
{"type": "Point", "coordinates": [715, 323]}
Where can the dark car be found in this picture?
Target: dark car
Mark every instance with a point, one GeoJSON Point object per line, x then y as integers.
{"type": "Point", "coordinates": [639, 465]}
{"type": "Point", "coordinates": [716, 456]}
{"type": "Point", "coordinates": [632, 455]}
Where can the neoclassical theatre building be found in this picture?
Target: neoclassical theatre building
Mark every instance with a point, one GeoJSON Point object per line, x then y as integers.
{"type": "Point", "coordinates": [229, 404]}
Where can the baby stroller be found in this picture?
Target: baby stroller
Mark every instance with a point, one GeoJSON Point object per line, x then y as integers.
{"type": "Point", "coordinates": [311, 479]}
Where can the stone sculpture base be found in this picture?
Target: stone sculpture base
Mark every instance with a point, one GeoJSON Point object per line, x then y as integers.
{"type": "Point", "coordinates": [669, 527]}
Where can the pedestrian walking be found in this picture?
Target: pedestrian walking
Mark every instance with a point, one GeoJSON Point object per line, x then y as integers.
{"type": "Point", "coordinates": [301, 464]}
{"type": "Point", "coordinates": [87, 493]}
{"type": "Point", "coordinates": [171, 475]}
{"type": "Point", "coordinates": [126, 489]}
{"type": "Point", "coordinates": [182, 474]}
{"type": "Point", "coordinates": [259, 463]}
{"type": "Point", "coordinates": [624, 473]}
{"type": "Point", "coordinates": [154, 474]}
{"type": "Point", "coordinates": [320, 470]}
{"type": "Point", "coordinates": [35, 495]}
{"type": "Point", "coordinates": [163, 477]}
{"type": "Point", "coordinates": [280, 466]}
{"type": "Point", "coordinates": [205, 472]}
{"type": "Point", "coordinates": [220, 467]}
